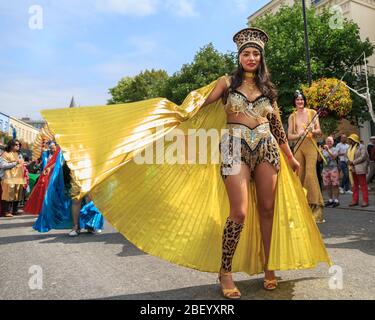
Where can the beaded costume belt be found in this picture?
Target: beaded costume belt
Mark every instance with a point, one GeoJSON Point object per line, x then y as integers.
{"type": "Point", "coordinates": [251, 136]}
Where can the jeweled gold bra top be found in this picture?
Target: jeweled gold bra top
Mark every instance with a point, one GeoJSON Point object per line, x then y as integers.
{"type": "Point", "coordinates": [237, 102]}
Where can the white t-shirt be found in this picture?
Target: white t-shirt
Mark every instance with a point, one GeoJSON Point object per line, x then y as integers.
{"type": "Point", "coordinates": [342, 148]}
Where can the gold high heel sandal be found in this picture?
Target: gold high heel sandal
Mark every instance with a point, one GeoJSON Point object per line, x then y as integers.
{"type": "Point", "coordinates": [233, 294]}
{"type": "Point", "coordinates": [270, 285]}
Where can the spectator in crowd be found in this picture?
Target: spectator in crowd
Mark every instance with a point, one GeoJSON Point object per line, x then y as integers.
{"type": "Point", "coordinates": [342, 149]}
{"type": "Point", "coordinates": [26, 187]}
{"type": "Point", "coordinates": [12, 177]}
{"type": "Point", "coordinates": [358, 164]}
{"type": "Point", "coordinates": [330, 174]}
{"type": "Point", "coordinates": [371, 153]}
{"type": "Point", "coordinates": [34, 166]}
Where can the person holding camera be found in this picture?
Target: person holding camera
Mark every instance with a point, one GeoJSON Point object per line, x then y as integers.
{"type": "Point", "coordinates": [330, 173]}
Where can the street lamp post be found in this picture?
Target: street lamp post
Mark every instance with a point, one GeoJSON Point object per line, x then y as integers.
{"type": "Point", "coordinates": [308, 58]}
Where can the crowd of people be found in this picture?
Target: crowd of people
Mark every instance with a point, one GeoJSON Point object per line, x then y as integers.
{"type": "Point", "coordinates": [347, 168]}
{"type": "Point", "coordinates": [45, 189]}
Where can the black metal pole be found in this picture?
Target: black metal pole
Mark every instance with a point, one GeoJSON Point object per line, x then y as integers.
{"type": "Point", "coordinates": [308, 58]}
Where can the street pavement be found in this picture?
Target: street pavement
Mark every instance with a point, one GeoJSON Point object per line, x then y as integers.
{"type": "Point", "coordinates": [107, 266]}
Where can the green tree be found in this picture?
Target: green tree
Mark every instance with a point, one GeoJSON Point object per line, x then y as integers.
{"type": "Point", "coordinates": [208, 65]}
{"type": "Point", "coordinates": [146, 85]}
{"type": "Point", "coordinates": [333, 51]}
{"type": "Point", "coordinates": [4, 138]}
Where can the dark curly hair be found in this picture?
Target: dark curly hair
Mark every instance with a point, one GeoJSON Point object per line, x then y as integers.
{"type": "Point", "coordinates": [11, 144]}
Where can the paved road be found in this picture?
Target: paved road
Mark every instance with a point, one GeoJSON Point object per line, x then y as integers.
{"type": "Point", "coordinates": [106, 266]}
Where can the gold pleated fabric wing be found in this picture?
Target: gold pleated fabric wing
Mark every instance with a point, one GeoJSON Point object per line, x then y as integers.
{"type": "Point", "coordinates": [44, 134]}
{"type": "Point", "coordinates": [178, 211]}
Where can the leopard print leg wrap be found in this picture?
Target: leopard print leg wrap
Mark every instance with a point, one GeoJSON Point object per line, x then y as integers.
{"type": "Point", "coordinates": [231, 237]}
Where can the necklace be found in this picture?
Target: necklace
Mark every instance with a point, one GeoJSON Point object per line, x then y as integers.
{"type": "Point", "coordinates": [249, 75]}
{"type": "Point", "coordinates": [249, 84]}
{"type": "Point", "coordinates": [249, 80]}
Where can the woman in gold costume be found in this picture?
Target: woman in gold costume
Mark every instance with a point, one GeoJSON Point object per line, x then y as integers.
{"type": "Point", "coordinates": [250, 104]}
{"type": "Point", "coordinates": [12, 180]}
{"type": "Point", "coordinates": [307, 153]}
{"type": "Point", "coordinates": [178, 211]}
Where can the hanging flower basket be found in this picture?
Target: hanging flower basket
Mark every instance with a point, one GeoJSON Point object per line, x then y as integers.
{"type": "Point", "coordinates": [338, 105]}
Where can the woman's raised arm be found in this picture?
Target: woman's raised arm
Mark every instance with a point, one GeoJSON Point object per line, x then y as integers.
{"type": "Point", "coordinates": [221, 86]}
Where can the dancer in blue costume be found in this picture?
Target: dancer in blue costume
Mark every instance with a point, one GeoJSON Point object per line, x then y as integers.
{"type": "Point", "coordinates": [57, 208]}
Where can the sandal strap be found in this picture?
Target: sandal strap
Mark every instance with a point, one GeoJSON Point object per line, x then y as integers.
{"type": "Point", "coordinates": [231, 290]}
{"type": "Point", "coordinates": [270, 281]}
{"type": "Point", "coordinates": [269, 284]}
{"type": "Point", "coordinates": [230, 293]}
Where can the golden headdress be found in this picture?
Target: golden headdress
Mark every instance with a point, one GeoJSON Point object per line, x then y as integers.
{"type": "Point", "coordinates": [250, 37]}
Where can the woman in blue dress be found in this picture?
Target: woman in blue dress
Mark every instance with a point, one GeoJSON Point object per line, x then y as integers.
{"type": "Point", "coordinates": [57, 203]}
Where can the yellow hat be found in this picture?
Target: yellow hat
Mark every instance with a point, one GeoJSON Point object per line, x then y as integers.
{"type": "Point", "coordinates": [354, 137]}
{"type": "Point", "coordinates": [250, 37]}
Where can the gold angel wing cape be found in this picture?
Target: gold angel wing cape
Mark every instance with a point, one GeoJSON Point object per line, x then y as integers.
{"type": "Point", "coordinates": [44, 134]}
{"type": "Point", "coordinates": [171, 210]}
